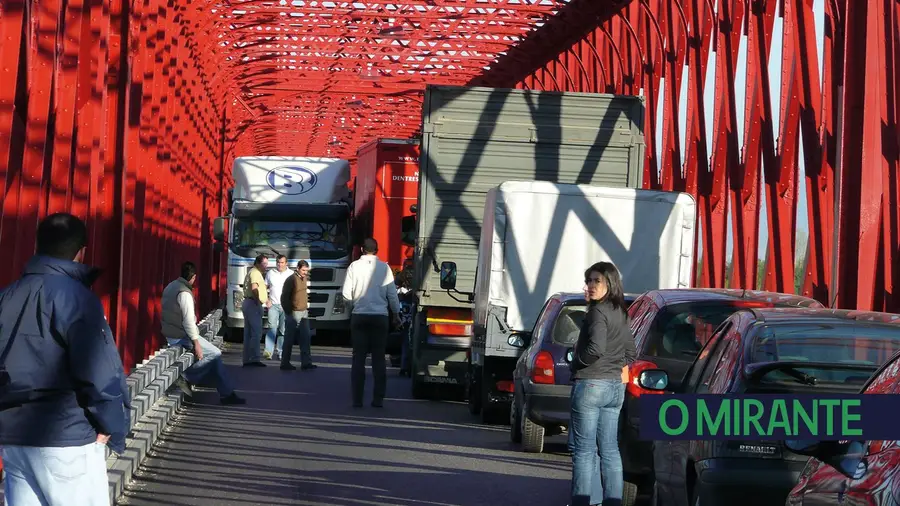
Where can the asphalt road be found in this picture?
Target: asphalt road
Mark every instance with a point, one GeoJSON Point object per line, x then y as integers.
{"type": "Point", "coordinates": [298, 441]}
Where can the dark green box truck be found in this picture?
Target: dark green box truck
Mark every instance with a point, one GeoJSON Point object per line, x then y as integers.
{"type": "Point", "coordinates": [474, 139]}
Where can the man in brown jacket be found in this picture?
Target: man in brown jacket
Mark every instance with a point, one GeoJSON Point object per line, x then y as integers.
{"type": "Point", "coordinates": [295, 301]}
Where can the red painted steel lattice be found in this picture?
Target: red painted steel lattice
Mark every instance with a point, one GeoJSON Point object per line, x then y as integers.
{"type": "Point", "coordinates": [128, 114]}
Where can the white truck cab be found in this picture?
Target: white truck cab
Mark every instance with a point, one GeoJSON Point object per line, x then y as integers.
{"type": "Point", "coordinates": [297, 207]}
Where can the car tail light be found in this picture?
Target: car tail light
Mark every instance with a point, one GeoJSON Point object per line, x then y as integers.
{"type": "Point", "coordinates": [543, 369]}
{"type": "Point", "coordinates": [505, 386]}
{"type": "Point", "coordinates": [634, 372]}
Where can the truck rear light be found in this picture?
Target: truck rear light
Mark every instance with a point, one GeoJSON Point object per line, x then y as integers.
{"type": "Point", "coordinates": [505, 386]}
{"type": "Point", "coordinates": [542, 372]}
{"type": "Point", "coordinates": [450, 330]}
{"type": "Point", "coordinates": [634, 372]}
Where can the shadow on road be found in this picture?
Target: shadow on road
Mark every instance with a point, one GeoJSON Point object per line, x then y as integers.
{"type": "Point", "coordinates": [298, 441]}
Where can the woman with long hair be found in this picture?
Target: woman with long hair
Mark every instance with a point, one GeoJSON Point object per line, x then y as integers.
{"type": "Point", "coordinates": [605, 347]}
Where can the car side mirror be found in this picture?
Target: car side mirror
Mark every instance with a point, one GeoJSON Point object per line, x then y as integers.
{"type": "Point", "coordinates": [653, 379]}
{"type": "Point", "coordinates": [519, 340]}
{"type": "Point", "coordinates": [448, 275]}
{"type": "Point", "coordinates": [220, 224]}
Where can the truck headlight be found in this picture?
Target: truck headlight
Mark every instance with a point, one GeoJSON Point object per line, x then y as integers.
{"type": "Point", "coordinates": [238, 296]}
{"type": "Point", "coordinates": [339, 307]}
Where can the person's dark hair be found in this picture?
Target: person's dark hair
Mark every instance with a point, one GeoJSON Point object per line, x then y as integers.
{"type": "Point", "coordinates": [615, 294]}
{"type": "Point", "coordinates": [259, 260]}
{"type": "Point", "coordinates": [302, 263]}
{"type": "Point", "coordinates": [370, 246]}
{"type": "Point", "coordinates": [279, 257]}
{"type": "Point", "coordinates": [61, 235]}
{"type": "Point", "coordinates": [188, 270]}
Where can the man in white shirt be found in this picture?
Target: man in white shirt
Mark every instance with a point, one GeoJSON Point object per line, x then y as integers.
{"type": "Point", "coordinates": [370, 292]}
{"type": "Point", "coordinates": [179, 326]}
{"type": "Point", "coordinates": [275, 281]}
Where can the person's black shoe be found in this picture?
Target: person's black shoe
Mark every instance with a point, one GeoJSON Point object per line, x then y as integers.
{"type": "Point", "coordinates": [289, 367]}
{"type": "Point", "coordinates": [308, 367]}
{"type": "Point", "coordinates": [377, 403]}
{"type": "Point", "coordinates": [232, 399]}
{"type": "Point", "coordinates": [255, 364]}
{"type": "Point", "coordinates": [185, 387]}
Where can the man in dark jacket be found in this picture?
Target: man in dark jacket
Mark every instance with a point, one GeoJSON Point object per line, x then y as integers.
{"type": "Point", "coordinates": [295, 301]}
{"type": "Point", "coordinates": [63, 397]}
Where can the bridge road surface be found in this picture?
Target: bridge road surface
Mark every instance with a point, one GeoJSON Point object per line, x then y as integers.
{"type": "Point", "coordinates": [298, 441]}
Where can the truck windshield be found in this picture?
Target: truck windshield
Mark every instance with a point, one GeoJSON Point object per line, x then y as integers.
{"type": "Point", "coordinates": [322, 240]}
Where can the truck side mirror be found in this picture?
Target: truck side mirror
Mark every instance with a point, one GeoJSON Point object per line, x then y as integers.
{"type": "Point", "coordinates": [219, 226]}
{"type": "Point", "coordinates": [448, 275]}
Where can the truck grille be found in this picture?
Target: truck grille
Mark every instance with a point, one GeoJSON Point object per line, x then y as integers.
{"type": "Point", "coordinates": [321, 274]}
{"type": "Point", "coordinates": [318, 297]}
{"type": "Point", "coordinates": [316, 311]}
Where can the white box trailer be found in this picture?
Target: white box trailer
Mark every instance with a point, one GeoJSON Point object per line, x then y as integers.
{"type": "Point", "coordinates": [537, 239]}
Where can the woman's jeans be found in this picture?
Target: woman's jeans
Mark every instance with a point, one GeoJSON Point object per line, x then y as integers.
{"type": "Point", "coordinates": [593, 441]}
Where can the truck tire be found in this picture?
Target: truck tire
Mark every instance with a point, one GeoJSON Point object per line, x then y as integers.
{"type": "Point", "coordinates": [420, 390]}
{"type": "Point", "coordinates": [532, 435]}
{"type": "Point", "coordinates": [473, 392]}
{"type": "Point", "coordinates": [490, 413]}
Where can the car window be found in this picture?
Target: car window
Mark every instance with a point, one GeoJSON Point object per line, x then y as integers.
{"type": "Point", "coordinates": [715, 364]}
{"type": "Point", "coordinates": [568, 325]}
{"type": "Point", "coordinates": [682, 329]}
{"type": "Point", "coordinates": [706, 357]}
{"type": "Point", "coordinates": [540, 325]}
{"type": "Point", "coordinates": [855, 344]}
{"type": "Point", "coordinates": [642, 317]}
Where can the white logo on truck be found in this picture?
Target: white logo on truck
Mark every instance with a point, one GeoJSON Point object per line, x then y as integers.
{"type": "Point", "coordinates": [291, 180]}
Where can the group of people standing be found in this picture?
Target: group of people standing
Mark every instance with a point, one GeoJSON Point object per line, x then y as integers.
{"type": "Point", "coordinates": [285, 293]}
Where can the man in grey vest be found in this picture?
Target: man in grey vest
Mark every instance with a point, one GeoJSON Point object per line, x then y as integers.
{"type": "Point", "coordinates": [179, 326]}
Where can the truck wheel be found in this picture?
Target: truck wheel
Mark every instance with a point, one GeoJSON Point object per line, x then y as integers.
{"type": "Point", "coordinates": [473, 394]}
{"type": "Point", "coordinates": [419, 389]}
{"type": "Point", "coordinates": [515, 422]}
{"type": "Point", "coordinates": [490, 414]}
{"type": "Point", "coordinates": [532, 435]}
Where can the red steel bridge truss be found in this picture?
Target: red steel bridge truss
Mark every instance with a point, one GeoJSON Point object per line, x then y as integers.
{"type": "Point", "coordinates": [128, 113]}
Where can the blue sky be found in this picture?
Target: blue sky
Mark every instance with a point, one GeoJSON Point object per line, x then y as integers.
{"type": "Point", "coordinates": [740, 87]}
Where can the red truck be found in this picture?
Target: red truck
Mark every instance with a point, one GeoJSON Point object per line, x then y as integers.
{"type": "Point", "coordinates": [385, 193]}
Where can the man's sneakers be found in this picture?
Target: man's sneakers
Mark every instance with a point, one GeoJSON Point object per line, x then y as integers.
{"type": "Point", "coordinates": [232, 399]}
{"type": "Point", "coordinates": [308, 367]}
{"type": "Point", "coordinates": [288, 367]}
{"type": "Point", "coordinates": [185, 387]}
{"type": "Point", "coordinates": [254, 364]}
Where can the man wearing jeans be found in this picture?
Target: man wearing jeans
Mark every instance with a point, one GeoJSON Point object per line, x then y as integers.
{"type": "Point", "coordinates": [275, 282]}
{"type": "Point", "coordinates": [295, 300]}
{"type": "Point", "coordinates": [63, 397]}
{"type": "Point", "coordinates": [370, 291]}
{"type": "Point", "coordinates": [179, 327]}
{"type": "Point", "coordinates": [255, 296]}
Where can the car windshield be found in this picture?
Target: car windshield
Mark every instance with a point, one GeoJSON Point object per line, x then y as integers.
{"type": "Point", "coordinates": [854, 344]}
{"type": "Point", "coordinates": [291, 238]}
{"type": "Point", "coordinates": [682, 329]}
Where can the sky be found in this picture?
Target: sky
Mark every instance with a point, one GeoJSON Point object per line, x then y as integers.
{"type": "Point", "coordinates": [741, 87]}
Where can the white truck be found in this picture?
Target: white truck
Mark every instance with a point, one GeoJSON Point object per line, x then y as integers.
{"type": "Point", "coordinates": [299, 207]}
{"type": "Point", "coordinates": [537, 239]}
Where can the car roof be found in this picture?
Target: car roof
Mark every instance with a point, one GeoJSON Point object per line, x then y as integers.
{"type": "Point", "coordinates": [579, 296]}
{"type": "Point", "coordinates": [681, 295]}
{"type": "Point", "coordinates": [812, 315]}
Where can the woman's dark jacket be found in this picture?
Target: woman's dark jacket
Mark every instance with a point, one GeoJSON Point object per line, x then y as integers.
{"type": "Point", "coordinates": [605, 343]}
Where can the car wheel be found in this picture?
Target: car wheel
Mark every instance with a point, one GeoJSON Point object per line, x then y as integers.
{"type": "Point", "coordinates": [532, 435]}
{"type": "Point", "coordinates": [515, 422]}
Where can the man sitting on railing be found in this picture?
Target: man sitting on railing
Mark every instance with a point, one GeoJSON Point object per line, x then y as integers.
{"type": "Point", "coordinates": [179, 326]}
